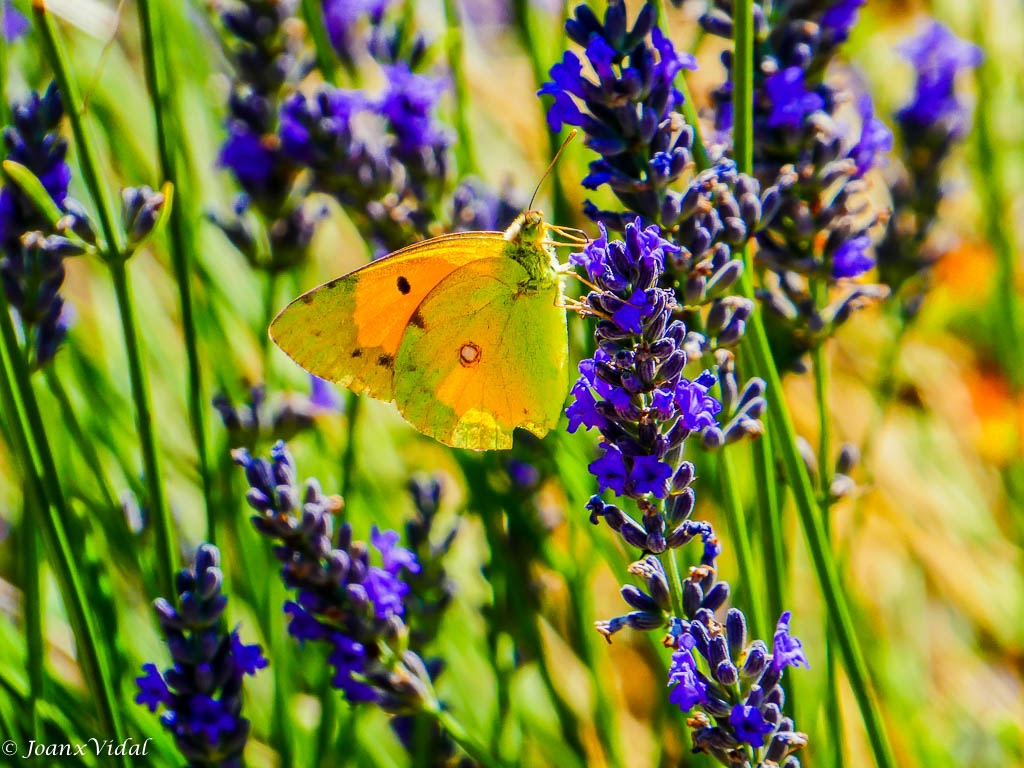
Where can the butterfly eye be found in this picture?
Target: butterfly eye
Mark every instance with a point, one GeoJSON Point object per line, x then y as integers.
{"type": "Point", "coordinates": [469, 355]}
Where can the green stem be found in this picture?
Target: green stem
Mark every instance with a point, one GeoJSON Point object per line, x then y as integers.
{"type": "Point", "coordinates": [822, 390]}
{"type": "Point", "coordinates": [756, 346]}
{"type": "Point", "coordinates": [169, 135]}
{"type": "Point", "coordinates": [32, 445]}
{"type": "Point", "coordinates": [841, 620]}
{"type": "Point", "coordinates": [33, 616]}
{"type": "Point", "coordinates": [269, 297]}
{"type": "Point", "coordinates": [771, 524]}
{"type": "Point", "coordinates": [736, 520]}
{"type": "Point", "coordinates": [353, 409]}
{"type": "Point", "coordinates": [675, 583]}
{"type": "Point", "coordinates": [313, 16]}
{"type": "Point", "coordinates": [466, 741]}
{"type": "Point", "coordinates": [1010, 342]}
{"type": "Point", "coordinates": [114, 256]}
{"type": "Point", "coordinates": [165, 552]}
{"type": "Point", "coordinates": [456, 63]}
{"type": "Point", "coordinates": [84, 446]}
{"type": "Point", "coordinates": [54, 51]}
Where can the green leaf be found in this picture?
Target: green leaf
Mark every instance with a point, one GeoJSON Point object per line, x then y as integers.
{"type": "Point", "coordinates": [33, 188]}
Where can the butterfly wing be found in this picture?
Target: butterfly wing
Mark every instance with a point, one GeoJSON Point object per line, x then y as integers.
{"type": "Point", "coordinates": [484, 357]}
{"type": "Point", "coordinates": [349, 330]}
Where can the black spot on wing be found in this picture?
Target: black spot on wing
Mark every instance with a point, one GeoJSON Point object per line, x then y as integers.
{"type": "Point", "coordinates": [307, 298]}
{"type": "Point", "coordinates": [403, 285]}
{"type": "Point", "coordinates": [417, 319]}
{"type": "Point", "coordinates": [386, 361]}
{"type": "Point", "coordinates": [357, 353]}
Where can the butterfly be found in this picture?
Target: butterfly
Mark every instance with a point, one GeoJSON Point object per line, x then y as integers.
{"type": "Point", "coordinates": [466, 333]}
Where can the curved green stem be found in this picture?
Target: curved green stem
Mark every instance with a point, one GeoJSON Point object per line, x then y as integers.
{"type": "Point", "coordinates": [169, 135]}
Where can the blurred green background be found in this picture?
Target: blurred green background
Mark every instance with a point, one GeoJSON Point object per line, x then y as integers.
{"type": "Point", "coordinates": [930, 544]}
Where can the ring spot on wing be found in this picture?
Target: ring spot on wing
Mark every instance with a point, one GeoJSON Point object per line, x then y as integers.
{"type": "Point", "coordinates": [469, 355]}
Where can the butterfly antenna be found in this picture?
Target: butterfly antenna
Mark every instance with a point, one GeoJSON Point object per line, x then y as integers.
{"type": "Point", "coordinates": [570, 137]}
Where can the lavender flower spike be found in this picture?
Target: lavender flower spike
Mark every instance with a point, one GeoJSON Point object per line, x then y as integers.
{"type": "Point", "coordinates": [202, 693]}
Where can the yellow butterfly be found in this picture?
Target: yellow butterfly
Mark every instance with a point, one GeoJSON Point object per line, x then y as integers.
{"type": "Point", "coordinates": [465, 332]}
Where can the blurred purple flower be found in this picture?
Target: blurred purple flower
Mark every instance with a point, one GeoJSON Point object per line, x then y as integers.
{"type": "Point", "coordinates": [791, 101]}
{"type": "Point", "coordinates": [13, 24]}
{"type": "Point", "coordinates": [938, 56]}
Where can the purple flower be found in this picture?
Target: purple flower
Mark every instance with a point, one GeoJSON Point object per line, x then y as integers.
{"type": "Point", "coordinates": [523, 474]}
{"type": "Point", "coordinates": [650, 475]}
{"type": "Point", "coordinates": [153, 690]}
{"type": "Point", "coordinates": [629, 316]}
{"type": "Point", "coordinates": [840, 18]}
{"type": "Point", "coordinates": [349, 660]}
{"type": "Point", "coordinates": [408, 104]}
{"type": "Point", "coordinates": [851, 258]}
{"type": "Point", "coordinates": [386, 592]}
{"type": "Point", "coordinates": [249, 659]}
{"type": "Point", "coordinates": [875, 138]}
{"type": "Point", "coordinates": [610, 470]}
{"type": "Point", "coordinates": [207, 716]}
{"type": "Point", "coordinates": [790, 99]}
{"type": "Point", "coordinates": [248, 156]}
{"type": "Point", "coordinates": [787, 651]}
{"type": "Point", "coordinates": [323, 395]}
{"type": "Point", "coordinates": [341, 17]}
{"type": "Point", "coordinates": [201, 692]}
{"type": "Point", "coordinates": [689, 690]}
{"type": "Point", "coordinates": [938, 56]}
{"type": "Point", "coordinates": [696, 407]}
{"type": "Point", "coordinates": [582, 411]}
{"type": "Point", "coordinates": [301, 624]}
{"type": "Point", "coordinates": [749, 725]}
{"type": "Point", "coordinates": [13, 24]}
{"type": "Point", "coordinates": [395, 558]}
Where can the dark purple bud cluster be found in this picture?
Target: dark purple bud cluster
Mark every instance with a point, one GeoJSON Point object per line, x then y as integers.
{"type": "Point", "coordinates": [356, 609]}
{"type": "Point", "coordinates": [140, 211]}
{"type": "Point", "coordinates": [478, 208]}
{"type": "Point", "coordinates": [651, 609]}
{"type": "Point", "coordinates": [32, 253]}
{"type": "Point", "coordinates": [628, 113]}
{"type": "Point", "coordinates": [384, 159]}
{"type": "Point", "coordinates": [930, 126]}
{"type": "Point", "coordinates": [734, 685]}
{"type": "Point", "coordinates": [202, 693]}
{"type": "Point", "coordinates": [825, 224]}
{"type": "Point", "coordinates": [290, 414]}
{"type": "Point", "coordinates": [263, 42]}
